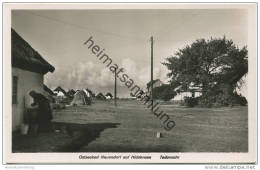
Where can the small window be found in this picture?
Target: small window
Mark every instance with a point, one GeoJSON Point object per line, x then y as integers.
{"type": "Point", "coordinates": [15, 89]}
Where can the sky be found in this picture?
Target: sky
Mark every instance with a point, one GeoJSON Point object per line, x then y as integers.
{"type": "Point", "coordinates": [58, 35]}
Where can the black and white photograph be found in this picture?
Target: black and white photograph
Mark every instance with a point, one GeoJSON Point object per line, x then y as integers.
{"type": "Point", "coordinates": [131, 83]}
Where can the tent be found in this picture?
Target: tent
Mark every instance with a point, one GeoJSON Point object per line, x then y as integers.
{"type": "Point", "coordinates": [79, 98]}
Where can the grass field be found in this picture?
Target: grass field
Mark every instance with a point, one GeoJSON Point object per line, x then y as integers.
{"type": "Point", "coordinates": [130, 127]}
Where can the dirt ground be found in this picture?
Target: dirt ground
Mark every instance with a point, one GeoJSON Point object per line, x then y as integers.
{"type": "Point", "coordinates": [130, 127]}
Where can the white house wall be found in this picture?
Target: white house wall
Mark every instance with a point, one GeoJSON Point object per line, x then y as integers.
{"type": "Point", "coordinates": [26, 81]}
{"type": "Point", "coordinates": [243, 87]}
{"type": "Point", "coordinates": [60, 94]}
{"type": "Point", "coordinates": [198, 94]}
{"type": "Point", "coordinates": [180, 96]}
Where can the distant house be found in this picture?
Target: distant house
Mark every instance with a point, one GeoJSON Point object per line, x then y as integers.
{"type": "Point", "coordinates": [28, 70]}
{"type": "Point", "coordinates": [48, 93]}
{"type": "Point", "coordinates": [156, 83]}
{"type": "Point", "coordinates": [86, 92]}
{"type": "Point", "coordinates": [100, 96]}
{"type": "Point", "coordinates": [92, 94]}
{"type": "Point", "coordinates": [48, 90]}
{"type": "Point", "coordinates": [191, 92]}
{"type": "Point", "coordinates": [71, 93]}
{"type": "Point", "coordinates": [60, 92]}
{"type": "Point", "coordinates": [109, 96]}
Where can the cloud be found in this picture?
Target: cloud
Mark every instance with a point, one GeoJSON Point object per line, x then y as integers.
{"type": "Point", "coordinates": [81, 75]}
{"type": "Point", "coordinates": [142, 74]}
{"type": "Point", "coordinates": [99, 78]}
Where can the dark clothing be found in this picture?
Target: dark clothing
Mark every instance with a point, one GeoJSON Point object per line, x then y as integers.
{"type": "Point", "coordinates": [30, 116]}
{"type": "Point", "coordinates": [44, 109]}
{"type": "Point", "coordinates": [44, 112]}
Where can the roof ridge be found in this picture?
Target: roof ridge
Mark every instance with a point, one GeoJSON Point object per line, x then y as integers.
{"type": "Point", "coordinates": [24, 55]}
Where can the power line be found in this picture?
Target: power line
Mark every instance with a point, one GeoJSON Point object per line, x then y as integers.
{"type": "Point", "coordinates": [86, 28]}
{"type": "Point", "coordinates": [122, 37]}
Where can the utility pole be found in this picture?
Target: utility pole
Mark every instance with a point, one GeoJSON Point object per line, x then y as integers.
{"type": "Point", "coordinates": [115, 89]}
{"type": "Point", "coordinates": [152, 71]}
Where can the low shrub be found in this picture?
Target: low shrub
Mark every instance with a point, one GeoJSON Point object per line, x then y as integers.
{"type": "Point", "coordinates": [221, 100]}
{"type": "Point", "coordinates": [164, 92]}
{"type": "Point", "coordinates": [190, 101]}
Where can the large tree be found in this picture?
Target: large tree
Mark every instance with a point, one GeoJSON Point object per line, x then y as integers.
{"type": "Point", "coordinates": [209, 64]}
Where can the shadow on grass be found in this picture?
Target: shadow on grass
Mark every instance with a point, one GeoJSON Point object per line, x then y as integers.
{"type": "Point", "coordinates": [81, 134]}
{"type": "Point", "coordinates": [70, 137]}
{"type": "Point", "coordinates": [66, 137]}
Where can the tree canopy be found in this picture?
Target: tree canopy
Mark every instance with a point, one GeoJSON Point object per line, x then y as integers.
{"type": "Point", "coordinates": [208, 64]}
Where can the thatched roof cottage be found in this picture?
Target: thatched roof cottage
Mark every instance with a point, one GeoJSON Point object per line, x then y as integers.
{"type": "Point", "coordinates": [28, 70]}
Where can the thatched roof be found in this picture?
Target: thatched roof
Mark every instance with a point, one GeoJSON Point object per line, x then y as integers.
{"type": "Point", "coordinates": [71, 92]}
{"type": "Point", "coordinates": [101, 96]}
{"type": "Point", "coordinates": [109, 94]}
{"type": "Point", "coordinates": [91, 92]}
{"type": "Point", "coordinates": [47, 89]}
{"type": "Point", "coordinates": [25, 57]}
{"type": "Point", "coordinates": [60, 89]}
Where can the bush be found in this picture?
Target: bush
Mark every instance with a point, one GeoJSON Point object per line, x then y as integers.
{"type": "Point", "coordinates": [209, 100]}
{"type": "Point", "coordinates": [240, 100]}
{"type": "Point", "coordinates": [190, 101]}
{"type": "Point", "coordinates": [164, 92]}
